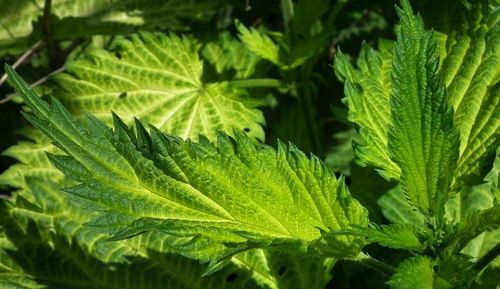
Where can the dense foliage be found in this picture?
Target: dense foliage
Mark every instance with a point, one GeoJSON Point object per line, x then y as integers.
{"type": "Point", "coordinates": [285, 144]}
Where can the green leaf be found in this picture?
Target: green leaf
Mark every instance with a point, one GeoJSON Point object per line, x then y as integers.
{"type": "Point", "coordinates": [470, 71]}
{"type": "Point", "coordinates": [474, 217]}
{"type": "Point", "coordinates": [145, 261]}
{"type": "Point", "coordinates": [230, 55]}
{"type": "Point", "coordinates": [341, 155]}
{"type": "Point", "coordinates": [470, 55]}
{"type": "Point", "coordinates": [32, 162]}
{"type": "Point", "coordinates": [422, 139]}
{"type": "Point", "coordinates": [455, 272]}
{"type": "Point", "coordinates": [216, 199]}
{"type": "Point", "coordinates": [157, 79]}
{"type": "Point", "coordinates": [259, 43]}
{"type": "Point", "coordinates": [367, 91]}
{"type": "Point", "coordinates": [413, 273]}
{"type": "Point", "coordinates": [287, 270]}
{"type": "Point", "coordinates": [76, 18]}
{"type": "Point", "coordinates": [396, 236]}
{"type": "Point", "coordinates": [474, 224]}
{"type": "Point", "coordinates": [397, 209]}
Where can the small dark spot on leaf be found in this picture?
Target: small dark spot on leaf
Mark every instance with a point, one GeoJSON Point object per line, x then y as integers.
{"type": "Point", "coordinates": [122, 95]}
{"type": "Point", "coordinates": [282, 270]}
{"type": "Point", "coordinates": [231, 277]}
{"type": "Point", "coordinates": [246, 129]}
{"type": "Point", "coordinates": [118, 55]}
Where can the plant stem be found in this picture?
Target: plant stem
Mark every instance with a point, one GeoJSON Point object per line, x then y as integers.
{"type": "Point", "coordinates": [22, 58]}
{"type": "Point", "coordinates": [288, 14]}
{"type": "Point", "coordinates": [34, 84]}
{"type": "Point", "coordinates": [334, 13]}
{"type": "Point", "coordinates": [306, 105]}
{"type": "Point", "coordinates": [375, 264]}
{"type": "Point", "coordinates": [487, 258]}
{"type": "Point", "coordinates": [257, 82]}
{"type": "Point", "coordinates": [53, 48]}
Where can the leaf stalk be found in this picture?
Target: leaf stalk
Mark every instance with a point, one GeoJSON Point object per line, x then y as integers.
{"type": "Point", "coordinates": [375, 264]}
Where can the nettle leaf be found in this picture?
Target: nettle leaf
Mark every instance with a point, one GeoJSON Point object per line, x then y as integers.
{"type": "Point", "coordinates": [455, 272]}
{"type": "Point", "coordinates": [259, 43]}
{"type": "Point", "coordinates": [469, 70]}
{"type": "Point", "coordinates": [216, 199]}
{"type": "Point", "coordinates": [167, 93]}
{"type": "Point", "coordinates": [474, 217]}
{"type": "Point", "coordinates": [422, 139]}
{"type": "Point", "coordinates": [157, 79]}
{"type": "Point", "coordinates": [397, 209]}
{"type": "Point", "coordinates": [286, 270]}
{"type": "Point", "coordinates": [413, 273]}
{"type": "Point", "coordinates": [57, 234]}
{"type": "Point", "coordinates": [75, 18]}
{"type": "Point", "coordinates": [368, 91]}
{"type": "Point", "coordinates": [231, 56]}
{"type": "Point", "coordinates": [33, 162]}
{"type": "Point", "coordinates": [396, 236]}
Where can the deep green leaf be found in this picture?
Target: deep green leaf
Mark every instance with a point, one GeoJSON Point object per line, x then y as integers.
{"type": "Point", "coordinates": [76, 18]}
{"type": "Point", "coordinates": [216, 199]}
{"type": "Point", "coordinates": [157, 79]}
{"type": "Point", "coordinates": [422, 139]}
{"type": "Point", "coordinates": [414, 273]}
{"type": "Point", "coordinates": [397, 236]}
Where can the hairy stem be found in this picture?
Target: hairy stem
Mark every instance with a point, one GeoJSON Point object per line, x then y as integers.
{"type": "Point", "coordinates": [375, 264]}
{"type": "Point", "coordinates": [257, 82]}
{"type": "Point", "coordinates": [21, 59]}
{"type": "Point", "coordinates": [487, 258]}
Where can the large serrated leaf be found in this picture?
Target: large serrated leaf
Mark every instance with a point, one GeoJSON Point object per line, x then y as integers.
{"type": "Point", "coordinates": [141, 262]}
{"type": "Point", "coordinates": [422, 138]}
{"type": "Point", "coordinates": [413, 273]}
{"type": "Point", "coordinates": [470, 55]}
{"type": "Point", "coordinates": [471, 71]}
{"type": "Point", "coordinates": [157, 79]}
{"type": "Point", "coordinates": [367, 91]}
{"type": "Point", "coordinates": [217, 199]}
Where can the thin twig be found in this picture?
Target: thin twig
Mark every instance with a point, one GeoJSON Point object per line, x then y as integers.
{"type": "Point", "coordinates": [487, 258]}
{"type": "Point", "coordinates": [342, 34]}
{"type": "Point", "coordinates": [22, 58]}
{"type": "Point", "coordinates": [35, 84]}
{"type": "Point", "coordinates": [53, 48]}
{"type": "Point", "coordinates": [46, 77]}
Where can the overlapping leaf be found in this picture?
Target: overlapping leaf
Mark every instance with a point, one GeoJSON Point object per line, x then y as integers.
{"type": "Point", "coordinates": [216, 199]}
{"type": "Point", "coordinates": [83, 18]}
{"type": "Point", "coordinates": [157, 79]}
{"type": "Point", "coordinates": [414, 273]}
{"type": "Point", "coordinates": [64, 253]}
{"type": "Point", "coordinates": [469, 69]}
{"type": "Point", "coordinates": [422, 139]}
{"type": "Point", "coordinates": [229, 55]}
{"type": "Point", "coordinates": [32, 162]}
{"type": "Point", "coordinates": [368, 91]}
